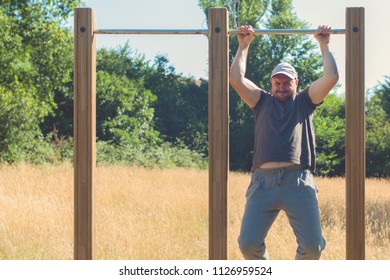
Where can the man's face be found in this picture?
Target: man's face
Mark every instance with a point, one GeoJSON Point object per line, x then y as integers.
{"type": "Point", "coordinates": [283, 87]}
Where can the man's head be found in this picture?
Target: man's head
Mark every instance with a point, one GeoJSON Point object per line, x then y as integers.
{"type": "Point", "coordinates": [284, 81]}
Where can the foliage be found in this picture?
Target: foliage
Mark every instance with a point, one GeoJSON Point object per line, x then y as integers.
{"type": "Point", "coordinates": [123, 113]}
{"type": "Point", "coordinates": [180, 104]}
{"type": "Point", "coordinates": [134, 98]}
{"type": "Point", "coordinates": [377, 136]}
{"type": "Point", "coordinates": [329, 122]}
{"type": "Point", "coordinates": [240, 11]}
{"type": "Point", "coordinates": [30, 80]}
{"type": "Point", "coordinates": [165, 155]}
{"type": "Point", "coordinates": [383, 93]}
{"type": "Point", "coordinates": [181, 107]}
{"type": "Point", "coordinates": [19, 118]}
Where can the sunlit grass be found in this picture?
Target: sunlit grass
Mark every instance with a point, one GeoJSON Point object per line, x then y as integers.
{"type": "Point", "coordinates": [160, 214]}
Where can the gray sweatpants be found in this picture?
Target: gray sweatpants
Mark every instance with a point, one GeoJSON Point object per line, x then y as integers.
{"type": "Point", "coordinates": [273, 190]}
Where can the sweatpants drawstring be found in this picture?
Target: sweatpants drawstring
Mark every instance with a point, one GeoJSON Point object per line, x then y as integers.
{"type": "Point", "coordinates": [281, 172]}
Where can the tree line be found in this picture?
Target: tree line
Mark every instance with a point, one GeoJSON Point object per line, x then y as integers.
{"type": "Point", "coordinates": [147, 113]}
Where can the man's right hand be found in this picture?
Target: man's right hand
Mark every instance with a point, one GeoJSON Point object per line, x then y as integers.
{"type": "Point", "coordinates": [245, 35]}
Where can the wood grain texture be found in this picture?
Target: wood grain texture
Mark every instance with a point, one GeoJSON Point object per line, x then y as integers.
{"type": "Point", "coordinates": [355, 168]}
{"type": "Point", "coordinates": [218, 132]}
{"type": "Point", "coordinates": [84, 132]}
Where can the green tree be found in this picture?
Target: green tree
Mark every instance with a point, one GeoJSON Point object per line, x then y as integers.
{"type": "Point", "coordinates": [19, 119]}
{"type": "Point", "coordinates": [377, 135]}
{"type": "Point", "coordinates": [124, 106]}
{"type": "Point", "coordinates": [181, 107]}
{"type": "Point", "coordinates": [383, 92]}
{"type": "Point", "coordinates": [36, 59]}
{"type": "Point", "coordinates": [124, 115]}
{"type": "Point", "coordinates": [329, 122]}
{"type": "Point", "coordinates": [266, 52]}
{"type": "Point", "coordinates": [135, 98]}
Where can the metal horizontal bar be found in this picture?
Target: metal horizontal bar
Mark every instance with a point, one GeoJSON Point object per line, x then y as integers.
{"type": "Point", "coordinates": [289, 31]}
{"type": "Point", "coordinates": [205, 31]}
{"type": "Point", "coordinates": [152, 31]}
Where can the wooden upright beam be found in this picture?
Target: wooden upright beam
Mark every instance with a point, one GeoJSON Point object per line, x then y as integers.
{"type": "Point", "coordinates": [355, 168]}
{"type": "Point", "coordinates": [218, 132]}
{"type": "Point", "coordinates": [84, 131]}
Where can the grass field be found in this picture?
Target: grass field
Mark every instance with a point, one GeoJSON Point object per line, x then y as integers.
{"type": "Point", "coordinates": [160, 214]}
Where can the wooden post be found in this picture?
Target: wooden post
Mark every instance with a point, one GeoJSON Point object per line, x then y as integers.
{"type": "Point", "coordinates": [218, 132]}
{"type": "Point", "coordinates": [84, 131]}
{"type": "Point", "coordinates": [355, 168]}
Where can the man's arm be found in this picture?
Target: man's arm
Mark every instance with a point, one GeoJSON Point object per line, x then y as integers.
{"type": "Point", "coordinates": [320, 89]}
{"type": "Point", "coordinates": [246, 89]}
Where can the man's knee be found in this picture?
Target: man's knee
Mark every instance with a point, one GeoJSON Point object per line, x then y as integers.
{"type": "Point", "coordinates": [310, 251]}
{"type": "Point", "coordinates": [248, 249]}
{"type": "Point", "coordinates": [251, 250]}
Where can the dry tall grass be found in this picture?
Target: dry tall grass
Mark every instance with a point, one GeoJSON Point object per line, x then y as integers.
{"type": "Point", "coordinates": [160, 214]}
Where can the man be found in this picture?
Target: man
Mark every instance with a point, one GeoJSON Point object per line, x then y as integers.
{"type": "Point", "coordinates": [284, 150]}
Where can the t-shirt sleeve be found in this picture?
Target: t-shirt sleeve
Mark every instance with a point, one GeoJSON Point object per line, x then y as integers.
{"type": "Point", "coordinates": [263, 96]}
{"type": "Point", "coordinates": [305, 96]}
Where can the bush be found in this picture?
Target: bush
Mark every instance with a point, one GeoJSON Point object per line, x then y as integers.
{"type": "Point", "coordinates": [165, 155]}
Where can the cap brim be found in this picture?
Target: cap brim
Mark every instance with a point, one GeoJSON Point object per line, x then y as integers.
{"type": "Point", "coordinates": [284, 73]}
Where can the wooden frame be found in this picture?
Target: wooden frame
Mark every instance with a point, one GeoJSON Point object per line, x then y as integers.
{"type": "Point", "coordinates": [84, 132]}
{"type": "Point", "coordinates": [355, 162]}
{"type": "Point", "coordinates": [218, 132]}
{"type": "Point", "coordinates": [85, 129]}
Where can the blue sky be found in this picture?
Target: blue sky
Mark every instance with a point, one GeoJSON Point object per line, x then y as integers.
{"type": "Point", "coordinates": [189, 53]}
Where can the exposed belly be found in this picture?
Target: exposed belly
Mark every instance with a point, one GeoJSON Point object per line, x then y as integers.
{"type": "Point", "coordinates": [276, 164]}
